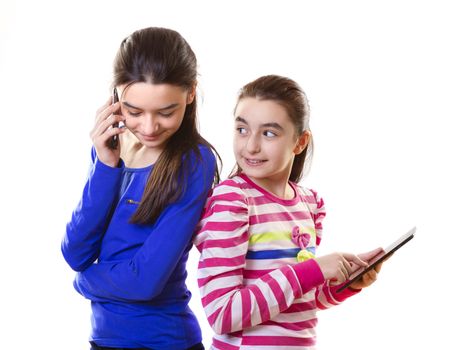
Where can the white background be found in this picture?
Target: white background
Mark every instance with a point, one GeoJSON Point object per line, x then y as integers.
{"type": "Point", "coordinates": [385, 82]}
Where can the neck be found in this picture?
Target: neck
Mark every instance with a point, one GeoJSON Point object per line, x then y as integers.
{"type": "Point", "coordinates": [279, 188]}
{"type": "Point", "coordinates": [136, 155]}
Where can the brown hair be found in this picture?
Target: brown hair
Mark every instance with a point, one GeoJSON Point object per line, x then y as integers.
{"type": "Point", "coordinates": [162, 56]}
{"type": "Point", "coordinates": [291, 96]}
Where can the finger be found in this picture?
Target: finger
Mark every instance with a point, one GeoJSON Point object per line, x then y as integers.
{"type": "Point", "coordinates": [378, 267]}
{"type": "Point", "coordinates": [108, 134]}
{"type": "Point", "coordinates": [100, 109]}
{"type": "Point", "coordinates": [106, 124]}
{"type": "Point", "coordinates": [339, 277]}
{"type": "Point", "coordinates": [343, 269]}
{"type": "Point", "coordinates": [371, 276]}
{"type": "Point", "coordinates": [348, 267]}
{"type": "Point", "coordinates": [100, 128]}
{"type": "Point", "coordinates": [355, 259]}
{"type": "Point", "coordinates": [107, 111]}
{"type": "Point", "coordinates": [371, 254]}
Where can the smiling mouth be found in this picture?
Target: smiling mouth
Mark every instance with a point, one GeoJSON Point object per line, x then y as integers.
{"type": "Point", "coordinates": [151, 137]}
{"type": "Point", "coordinates": [254, 161]}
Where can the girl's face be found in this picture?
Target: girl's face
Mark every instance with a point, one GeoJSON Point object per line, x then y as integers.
{"type": "Point", "coordinates": [265, 141]}
{"type": "Point", "coordinates": [154, 112]}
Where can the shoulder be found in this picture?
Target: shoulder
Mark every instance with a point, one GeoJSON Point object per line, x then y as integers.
{"type": "Point", "coordinates": [309, 196]}
{"type": "Point", "coordinates": [230, 190]}
{"type": "Point", "coordinates": [233, 185]}
{"type": "Point", "coordinates": [200, 160]}
{"type": "Point", "coordinates": [201, 154]}
{"type": "Point", "coordinates": [227, 202]}
{"type": "Point", "coordinates": [206, 154]}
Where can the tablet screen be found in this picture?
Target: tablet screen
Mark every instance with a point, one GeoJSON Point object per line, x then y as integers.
{"type": "Point", "coordinates": [356, 275]}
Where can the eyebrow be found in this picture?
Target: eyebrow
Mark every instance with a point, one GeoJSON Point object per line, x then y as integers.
{"type": "Point", "coordinates": [127, 104]}
{"type": "Point", "coordinates": [265, 125]}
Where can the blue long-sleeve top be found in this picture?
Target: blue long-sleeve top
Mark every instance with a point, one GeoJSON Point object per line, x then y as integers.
{"type": "Point", "coordinates": [135, 274]}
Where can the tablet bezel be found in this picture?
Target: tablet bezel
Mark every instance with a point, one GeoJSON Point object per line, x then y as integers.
{"type": "Point", "coordinates": [379, 258]}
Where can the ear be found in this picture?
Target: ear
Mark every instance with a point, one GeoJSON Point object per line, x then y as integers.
{"type": "Point", "coordinates": [302, 142]}
{"type": "Point", "coordinates": [191, 93]}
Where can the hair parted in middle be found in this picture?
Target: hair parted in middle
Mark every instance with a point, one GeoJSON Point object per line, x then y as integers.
{"type": "Point", "coordinates": [162, 56]}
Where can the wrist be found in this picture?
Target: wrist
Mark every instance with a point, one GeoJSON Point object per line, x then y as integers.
{"type": "Point", "coordinates": [309, 274]}
{"type": "Point", "coordinates": [354, 289]}
{"type": "Point", "coordinates": [111, 164]}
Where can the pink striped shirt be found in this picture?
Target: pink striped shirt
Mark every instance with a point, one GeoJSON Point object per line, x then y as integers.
{"type": "Point", "coordinates": [254, 292]}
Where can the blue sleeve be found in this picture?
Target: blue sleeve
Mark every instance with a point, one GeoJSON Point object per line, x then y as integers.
{"type": "Point", "coordinates": [145, 275]}
{"type": "Point", "coordinates": [81, 243]}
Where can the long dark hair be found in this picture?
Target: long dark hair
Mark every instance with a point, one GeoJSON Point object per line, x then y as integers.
{"type": "Point", "coordinates": [291, 96]}
{"type": "Point", "coordinates": [162, 56]}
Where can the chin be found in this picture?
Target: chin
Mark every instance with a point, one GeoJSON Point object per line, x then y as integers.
{"type": "Point", "coordinates": [252, 173]}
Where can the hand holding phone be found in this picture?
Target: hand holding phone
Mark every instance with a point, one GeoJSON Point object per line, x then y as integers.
{"type": "Point", "coordinates": [108, 123]}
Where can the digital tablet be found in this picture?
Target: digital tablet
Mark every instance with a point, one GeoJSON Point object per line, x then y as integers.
{"type": "Point", "coordinates": [356, 275]}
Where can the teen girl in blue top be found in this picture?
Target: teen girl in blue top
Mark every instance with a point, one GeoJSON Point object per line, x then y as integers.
{"type": "Point", "coordinates": [129, 237]}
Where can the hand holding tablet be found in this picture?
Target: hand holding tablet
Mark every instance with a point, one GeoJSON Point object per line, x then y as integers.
{"type": "Point", "coordinates": [378, 259]}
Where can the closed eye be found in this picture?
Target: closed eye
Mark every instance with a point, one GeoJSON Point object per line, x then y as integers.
{"type": "Point", "coordinates": [133, 112]}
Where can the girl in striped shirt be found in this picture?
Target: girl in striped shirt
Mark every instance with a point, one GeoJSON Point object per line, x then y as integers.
{"type": "Point", "coordinates": [260, 280]}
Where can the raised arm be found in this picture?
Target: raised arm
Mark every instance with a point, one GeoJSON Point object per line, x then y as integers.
{"type": "Point", "coordinates": [145, 275]}
{"type": "Point", "coordinates": [81, 243]}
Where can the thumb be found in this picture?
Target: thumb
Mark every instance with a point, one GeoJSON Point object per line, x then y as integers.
{"type": "Point", "coordinates": [371, 254]}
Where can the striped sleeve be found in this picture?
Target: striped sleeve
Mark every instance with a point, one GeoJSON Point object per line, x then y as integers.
{"type": "Point", "coordinates": [327, 296]}
{"type": "Point", "coordinates": [222, 240]}
{"type": "Point", "coordinates": [318, 215]}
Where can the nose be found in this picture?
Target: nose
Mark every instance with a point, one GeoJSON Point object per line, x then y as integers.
{"type": "Point", "coordinates": [253, 144]}
{"type": "Point", "coordinates": [150, 124]}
